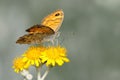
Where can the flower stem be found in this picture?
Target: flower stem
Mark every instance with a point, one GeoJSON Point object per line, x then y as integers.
{"type": "Point", "coordinates": [38, 73]}
{"type": "Point", "coordinates": [45, 74]}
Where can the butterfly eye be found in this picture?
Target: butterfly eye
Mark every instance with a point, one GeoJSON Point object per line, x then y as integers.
{"type": "Point", "coordinates": [57, 14]}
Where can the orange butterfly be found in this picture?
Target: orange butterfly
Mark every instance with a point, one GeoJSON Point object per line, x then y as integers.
{"type": "Point", "coordinates": [46, 31]}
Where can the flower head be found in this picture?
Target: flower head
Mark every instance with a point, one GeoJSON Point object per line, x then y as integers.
{"type": "Point", "coordinates": [19, 65]}
{"type": "Point", "coordinates": [54, 55]}
{"type": "Point", "coordinates": [32, 55]}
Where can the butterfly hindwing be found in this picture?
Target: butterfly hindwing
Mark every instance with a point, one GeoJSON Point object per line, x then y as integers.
{"type": "Point", "coordinates": [31, 38]}
{"type": "Point", "coordinates": [40, 29]}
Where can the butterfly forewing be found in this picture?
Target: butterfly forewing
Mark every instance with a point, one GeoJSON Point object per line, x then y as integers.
{"type": "Point", "coordinates": [54, 20]}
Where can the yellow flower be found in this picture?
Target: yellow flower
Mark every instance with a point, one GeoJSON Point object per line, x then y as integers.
{"type": "Point", "coordinates": [32, 55]}
{"type": "Point", "coordinates": [54, 55]}
{"type": "Point", "coordinates": [19, 65]}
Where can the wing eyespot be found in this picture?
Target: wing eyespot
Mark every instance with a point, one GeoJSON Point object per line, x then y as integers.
{"type": "Point", "coordinates": [57, 14]}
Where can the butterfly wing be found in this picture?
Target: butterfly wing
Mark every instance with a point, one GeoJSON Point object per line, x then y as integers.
{"type": "Point", "coordinates": [40, 29]}
{"type": "Point", "coordinates": [31, 38]}
{"type": "Point", "coordinates": [36, 35]}
{"type": "Point", "coordinates": [54, 20]}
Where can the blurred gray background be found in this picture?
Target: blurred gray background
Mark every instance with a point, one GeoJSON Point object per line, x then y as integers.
{"type": "Point", "coordinates": [90, 32]}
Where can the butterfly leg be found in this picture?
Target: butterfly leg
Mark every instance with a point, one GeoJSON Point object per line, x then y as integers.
{"type": "Point", "coordinates": [52, 41]}
{"type": "Point", "coordinates": [54, 38]}
{"type": "Point", "coordinates": [57, 34]}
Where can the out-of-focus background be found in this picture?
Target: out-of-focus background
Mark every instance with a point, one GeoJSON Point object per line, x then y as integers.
{"type": "Point", "coordinates": [90, 32]}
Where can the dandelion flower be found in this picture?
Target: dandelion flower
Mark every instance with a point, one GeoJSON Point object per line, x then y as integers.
{"type": "Point", "coordinates": [19, 65]}
{"type": "Point", "coordinates": [32, 55]}
{"type": "Point", "coordinates": [54, 55]}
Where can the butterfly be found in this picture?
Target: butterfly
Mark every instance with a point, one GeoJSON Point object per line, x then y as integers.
{"type": "Point", "coordinates": [47, 30]}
